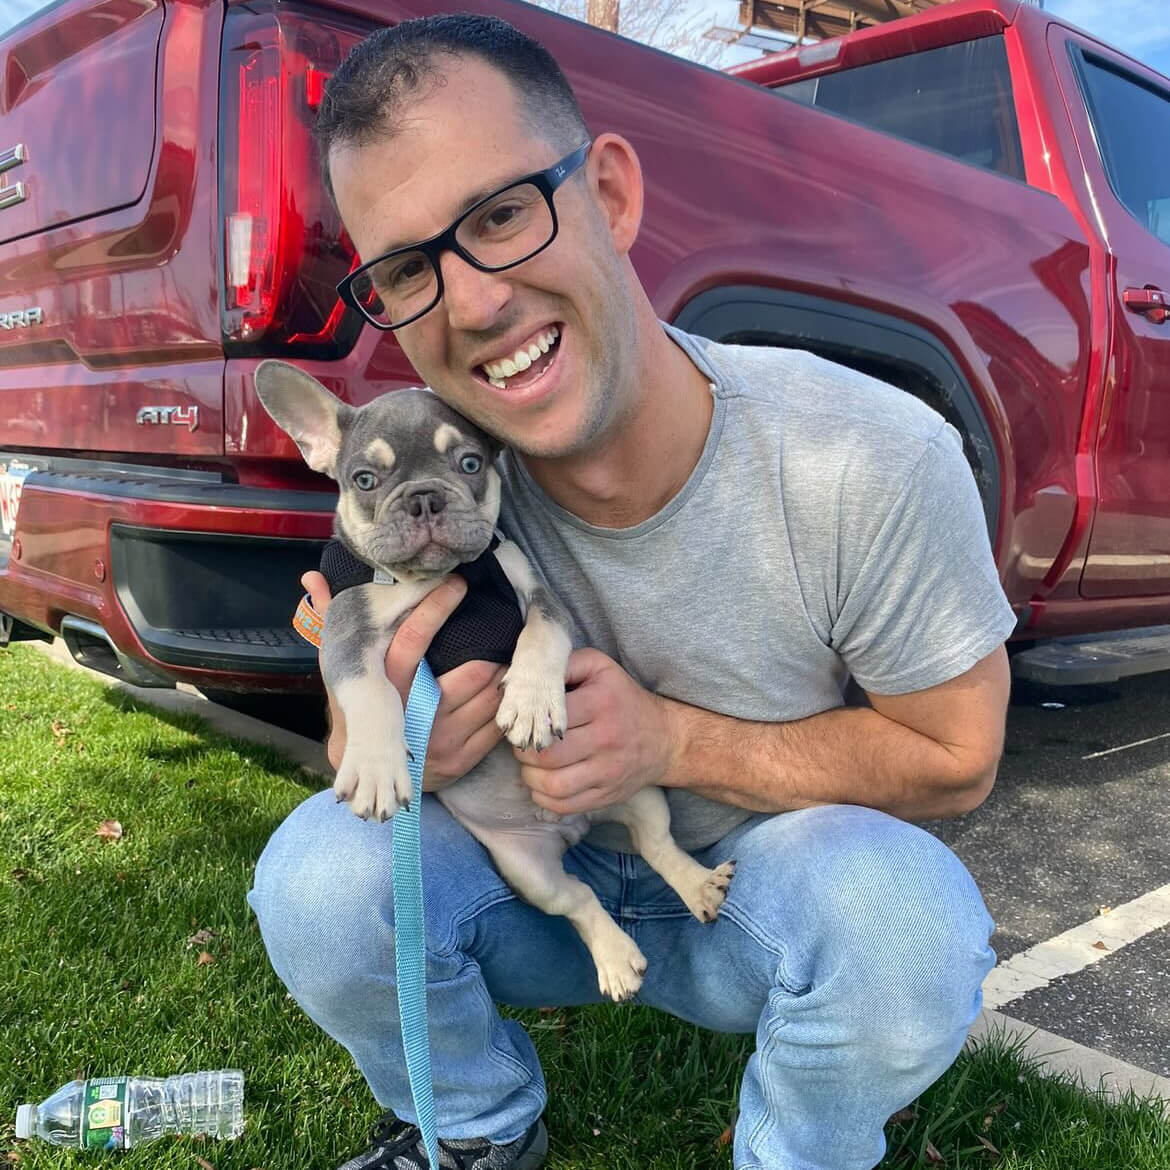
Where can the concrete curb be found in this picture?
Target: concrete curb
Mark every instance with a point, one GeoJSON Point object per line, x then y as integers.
{"type": "Point", "coordinates": [1052, 1054]}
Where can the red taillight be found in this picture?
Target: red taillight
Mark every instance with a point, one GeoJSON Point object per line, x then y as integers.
{"type": "Point", "coordinates": [284, 248]}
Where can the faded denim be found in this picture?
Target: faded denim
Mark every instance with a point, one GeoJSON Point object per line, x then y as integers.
{"type": "Point", "coordinates": [853, 945]}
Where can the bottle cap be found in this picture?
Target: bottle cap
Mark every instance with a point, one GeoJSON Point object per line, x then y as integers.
{"type": "Point", "coordinates": [25, 1119]}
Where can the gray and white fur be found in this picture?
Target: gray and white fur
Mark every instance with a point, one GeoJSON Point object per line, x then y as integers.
{"type": "Point", "coordinates": [419, 495]}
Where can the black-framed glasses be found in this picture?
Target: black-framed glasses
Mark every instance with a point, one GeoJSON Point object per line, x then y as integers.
{"type": "Point", "coordinates": [502, 230]}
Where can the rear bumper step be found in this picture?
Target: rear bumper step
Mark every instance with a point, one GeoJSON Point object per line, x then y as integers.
{"type": "Point", "coordinates": [169, 577]}
{"type": "Point", "coordinates": [1095, 658]}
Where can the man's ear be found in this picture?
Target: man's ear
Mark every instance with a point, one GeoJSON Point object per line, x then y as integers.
{"type": "Point", "coordinates": [617, 177]}
{"type": "Point", "coordinates": [312, 416]}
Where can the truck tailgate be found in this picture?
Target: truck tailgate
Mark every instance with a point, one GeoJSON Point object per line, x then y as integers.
{"type": "Point", "coordinates": [78, 161]}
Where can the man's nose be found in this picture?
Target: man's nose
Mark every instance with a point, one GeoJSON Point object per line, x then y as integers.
{"type": "Point", "coordinates": [472, 299]}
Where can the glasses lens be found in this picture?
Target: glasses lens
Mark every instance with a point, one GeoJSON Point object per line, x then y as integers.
{"type": "Point", "coordinates": [508, 228]}
{"type": "Point", "coordinates": [397, 288]}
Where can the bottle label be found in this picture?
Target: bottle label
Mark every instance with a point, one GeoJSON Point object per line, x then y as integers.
{"type": "Point", "coordinates": [103, 1114]}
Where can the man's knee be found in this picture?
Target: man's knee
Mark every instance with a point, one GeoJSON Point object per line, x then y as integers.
{"type": "Point", "coordinates": [323, 893]}
{"type": "Point", "coordinates": [888, 914]}
{"type": "Point", "coordinates": [914, 928]}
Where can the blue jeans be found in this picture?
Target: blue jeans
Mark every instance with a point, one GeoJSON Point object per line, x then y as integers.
{"type": "Point", "coordinates": [852, 944]}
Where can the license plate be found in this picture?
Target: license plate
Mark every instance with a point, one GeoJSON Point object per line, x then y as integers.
{"type": "Point", "coordinates": [13, 473]}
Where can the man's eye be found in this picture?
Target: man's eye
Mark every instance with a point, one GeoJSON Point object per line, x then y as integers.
{"type": "Point", "coordinates": [404, 274]}
{"type": "Point", "coordinates": [501, 216]}
{"type": "Point", "coordinates": [365, 481]}
{"type": "Point", "coordinates": [470, 464]}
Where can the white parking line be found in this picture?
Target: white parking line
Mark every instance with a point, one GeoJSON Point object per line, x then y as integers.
{"type": "Point", "coordinates": [1076, 949]}
{"type": "Point", "coordinates": [1126, 746]}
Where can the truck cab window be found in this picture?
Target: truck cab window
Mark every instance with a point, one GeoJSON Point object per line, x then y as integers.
{"type": "Point", "coordinates": [1131, 122]}
{"type": "Point", "coordinates": [956, 99]}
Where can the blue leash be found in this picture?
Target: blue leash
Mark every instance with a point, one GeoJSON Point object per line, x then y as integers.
{"type": "Point", "coordinates": [409, 939]}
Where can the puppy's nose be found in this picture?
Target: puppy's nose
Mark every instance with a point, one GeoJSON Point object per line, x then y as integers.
{"type": "Point", "coordinates": [425, 502]}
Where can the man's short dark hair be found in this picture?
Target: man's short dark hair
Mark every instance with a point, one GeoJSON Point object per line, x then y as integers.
{"type": "Point", "coordinates": [367, 97]}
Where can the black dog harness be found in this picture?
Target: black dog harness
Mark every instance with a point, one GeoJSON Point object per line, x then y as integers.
{"type": "Point", "coordinates": [485, 625]}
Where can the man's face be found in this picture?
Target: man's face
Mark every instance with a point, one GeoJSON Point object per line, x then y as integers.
{"type": "Point", "coordinates": [459, 141]}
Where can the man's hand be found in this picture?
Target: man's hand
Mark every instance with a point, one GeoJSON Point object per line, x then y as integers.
{"type": "Point", "coordinates": [618, 741]}
{"type": "Point", "coordinates": [465, 728]}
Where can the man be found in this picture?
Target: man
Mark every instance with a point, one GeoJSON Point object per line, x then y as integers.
{"type": "Point", "coordinates": [743, 530]}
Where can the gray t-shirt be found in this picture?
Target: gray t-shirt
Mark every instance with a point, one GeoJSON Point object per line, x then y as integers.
{"type": "Point", "coordinates": [831, 528]}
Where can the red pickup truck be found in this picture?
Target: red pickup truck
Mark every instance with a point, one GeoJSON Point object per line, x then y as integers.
{"type": "Point", "coordinates": [973, 204]}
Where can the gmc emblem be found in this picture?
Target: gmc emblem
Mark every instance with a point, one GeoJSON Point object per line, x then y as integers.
{"type": "Point", "coordinates": [21, 317]}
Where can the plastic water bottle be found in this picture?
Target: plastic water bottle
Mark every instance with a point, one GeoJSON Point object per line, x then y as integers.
{"type": "Point", "coordinates": [119, 1113]}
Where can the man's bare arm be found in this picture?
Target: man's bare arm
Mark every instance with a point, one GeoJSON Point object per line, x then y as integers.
{"type": "Point", "coordinates": [931, 753]}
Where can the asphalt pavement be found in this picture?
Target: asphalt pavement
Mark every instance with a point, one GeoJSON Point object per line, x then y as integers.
{"type": "Point", "coordinates": [1079, 823]}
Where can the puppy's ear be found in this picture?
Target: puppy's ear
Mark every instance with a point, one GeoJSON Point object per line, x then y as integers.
{"type": "Point", "coordinates": [312, 416]}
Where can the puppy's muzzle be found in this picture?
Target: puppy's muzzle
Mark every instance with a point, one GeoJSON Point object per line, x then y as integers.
{"type": "Point", "coordinates": [421, 499]}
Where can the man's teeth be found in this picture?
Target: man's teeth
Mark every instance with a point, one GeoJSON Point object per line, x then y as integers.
{"type": "Point", "coordinates": [519, 361]}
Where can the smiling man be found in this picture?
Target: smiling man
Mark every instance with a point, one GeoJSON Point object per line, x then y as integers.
{"type": "Point", "coordinates": [736, 533]}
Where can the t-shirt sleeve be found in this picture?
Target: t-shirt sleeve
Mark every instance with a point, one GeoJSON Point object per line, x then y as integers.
{"type": "Point", "coordinates": [919, 596]}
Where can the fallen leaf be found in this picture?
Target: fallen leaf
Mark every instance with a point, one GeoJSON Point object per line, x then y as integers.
{"type": "Point", "coordinates": [19, 874]}
{"type": "Point", "coordinates": [204, 1163]}
{"type": "Point", "coordinates": [932, 1155]}
{"type": "Point", "coordinates": [902, 1115]}
{"type": "Point", "coordinates": [1099, 946]}
{"type": "Point", "coordinates": [596, 1132]}
{"type": "Point", "coordinates": [109, 831]}
{"type": "Point", "coordinates": [1105, 910]}
{"type": "Point", "coordinates": [987, 1145]}
{"type": "Point", "coordinates": [12, 1157]}
{"type": "Point", "coordinates": [206, 958]}
{"type": "Point", "coordinates": [60, 730]}
{"type": "Point", "coordinates": [995, 1112]}
{"type": "Point", "coordinates": [200, 937]}
{"type": "Point", "coordinates": [724, 1138]}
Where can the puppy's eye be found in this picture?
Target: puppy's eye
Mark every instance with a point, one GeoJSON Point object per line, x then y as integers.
{"type": "Point", "coordinates": [469, 464]}
{"type": "Point", "coordinates": [365, 481]}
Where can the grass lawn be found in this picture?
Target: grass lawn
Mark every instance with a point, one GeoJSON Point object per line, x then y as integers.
{"type": "Point", "coordinates": [99, 975]}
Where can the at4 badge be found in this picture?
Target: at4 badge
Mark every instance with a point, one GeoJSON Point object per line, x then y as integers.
{"type": "Point", "coordinates": [103, 1115]}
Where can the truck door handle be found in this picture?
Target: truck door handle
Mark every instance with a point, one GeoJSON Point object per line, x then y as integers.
{"type": "Point", "coordinates": [1150, 302]}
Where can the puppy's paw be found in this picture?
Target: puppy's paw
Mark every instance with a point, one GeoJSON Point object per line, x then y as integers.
{"type": "Point", "coordinates": [620, 966]}
{"type": "Point", "coordinates": [532, 709]}
{"type": "Point", "coordinates": [708, 895]}
{"type": "Point", "coordinates": [375, 781]}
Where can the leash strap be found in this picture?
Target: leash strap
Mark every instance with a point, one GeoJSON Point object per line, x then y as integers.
{"type": "Point", "coordinates": [409, 938]}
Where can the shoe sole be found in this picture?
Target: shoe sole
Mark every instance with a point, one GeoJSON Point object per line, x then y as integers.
{"type": "Point", "coordinates": [534, 1156]}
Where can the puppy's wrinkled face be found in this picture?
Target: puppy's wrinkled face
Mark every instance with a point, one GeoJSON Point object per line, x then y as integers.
{"type": "Point", "coordinates": [418, 490]}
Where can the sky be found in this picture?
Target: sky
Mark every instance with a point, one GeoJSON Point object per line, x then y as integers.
{"type": "Point", "coordinates": [1139, 27]}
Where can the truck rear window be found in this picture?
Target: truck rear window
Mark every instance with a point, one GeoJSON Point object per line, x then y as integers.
{"type": "Point", "coordinates": [1131, 121]}
{"type": "Point", "coordinates": [956, 99]}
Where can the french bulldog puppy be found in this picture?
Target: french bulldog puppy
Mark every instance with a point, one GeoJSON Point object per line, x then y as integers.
{"type": "Point", "coordinates": [419, 495]}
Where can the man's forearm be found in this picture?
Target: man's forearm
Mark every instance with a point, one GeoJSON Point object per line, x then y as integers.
{"type": "Point", "coordinates": [847, 756]}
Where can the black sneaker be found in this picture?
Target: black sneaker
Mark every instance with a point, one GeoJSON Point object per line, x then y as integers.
{"type": "Point", "coordinates": [395, 1145]}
